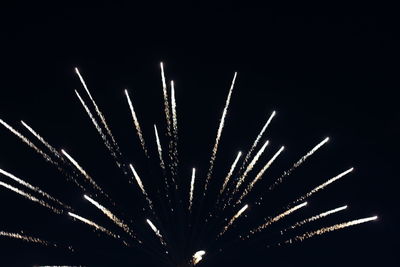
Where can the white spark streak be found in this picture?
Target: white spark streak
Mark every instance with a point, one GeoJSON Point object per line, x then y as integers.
{"type": "Point", "coordinates": [330, 229]}
{"type": "Point", "coordinates": [31, 198]}
{"type": "Point", "coordinates": [299, 162]}
{"type": "Point", "coordinates": [140, 184]}
{"type": "Point", "coordinates": [166, 103]}
{"type": "Point", "coordinates": [26, 238]}
{"type": "Point", "coordinates": [314, 218]}
{"type": "Point", "coordinates": [174, 147]}
{"type": "Point", "coordinates": [219, 133]}
{"type": "Point", "coordinates": [136, 123]}
{"type": "Point", "coordinates": [159, 148]}
{"type": "Point", "coordinates": [260, 174]}
{"type": "Point", "coordinates": [228, 176]}
{"type": "Point", "coordinates": [33, 188]}
{"type": "Point", "coordinates": [93, 224]}
{"type": "Point", "coordinates": [237, 215]}
{"type": "Point", "coordinates": [275, 219]}
{"type": "Point", "coordinates": [198, 256]}
{"type": "Point", "coordinates": [192, 189]}
{"type": "Point", "coordinates": [322, 186]}
{"type": "Point", "coordinates": [156, 231]}
{"type": "Point", "coordinates": [251, 165]}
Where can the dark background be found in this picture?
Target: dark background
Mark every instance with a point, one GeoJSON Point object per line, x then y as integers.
{"type": "Point", "coordinates": [326, 70]}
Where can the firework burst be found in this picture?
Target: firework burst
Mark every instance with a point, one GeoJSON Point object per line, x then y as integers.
{"type": "Point", "coordinates": [176, 222]}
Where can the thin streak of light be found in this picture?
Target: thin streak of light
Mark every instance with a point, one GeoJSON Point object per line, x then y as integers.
{"type": "Point", "coordinates": [31, 198]}
{"type": "Point", "coordinates": [83, 172]}
{"type": "Point", "coordinates": [137, 125]}
{"type": "Point", "coordinates": [275, 219]}
{"type": "Point", "coordinates": [219, 133]}
{"type": "Point", "coordinates": [260, 174]}
{"type": "Point", "coordinates": [330, 229]}
{"type": "Point", "coordinates": [322, 186]}
{"type": "Point", "coordinates": [251, 165]}
{"type": "Point", "coordinates": [237, 215]}
{"type": "Point", "coordinates": [166, 103]}
{"type": "Point", "coordinates": [156, 231]}
{"type": "Point", "coordinates": [298, 163]}
{"type": "Point", "coordinates": [140, 184]}
{"type": "Point", "coordinates": [93, 224]}
{"type": "Point", "coordinates": [99, 130]}
{"type": "Point", "coordinates": [28, 142]}
{"type": "Point", "coordinates": [228, 176]}
{"type": "Point", "coordinates": [112, 217]}
{"type": "Point", "coordinates": [99, 113]}
{"type": "Point", "coordinates": [175, 158]}
{"type": "Point", "coordinates": [192, 189]}
{"type": "Point", "coordinates": [159, 148]}
{"type": "Point", "coordinates": [314, 218]}
{"type": "Point", "coordinates": [258, 139]}
{"type": "Point", "coordinates": [33, 188]}
{"type": "Point", "coordinates": [26, 238]}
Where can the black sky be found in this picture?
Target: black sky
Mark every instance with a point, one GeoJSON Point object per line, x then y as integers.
{"type": "Point", "coordinates": [328, 71]}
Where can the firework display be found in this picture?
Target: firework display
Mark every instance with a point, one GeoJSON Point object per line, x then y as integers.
{"type": "Point", "coordinates": [202, 203]}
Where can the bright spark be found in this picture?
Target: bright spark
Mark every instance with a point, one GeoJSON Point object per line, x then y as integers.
{"type": "Point", "coordinates": [198, 256]}
{"type": "Point", "coordinates": [228, 176]}
{"type": "Point", "coordinates": [159, 148]}
{"type": "Point", "coordinates": [26, 238]}
{"type": "Point", "coordinates": [93, 224]}
{"type": "Point", "coordinates": [219, 133]}
{"type": "Point", "coordinates": [136, 123]}
{"type": "Point", "coordinates": [140, 184]}
{"type": "Point", "coordinates": [156, 231]}
{"type": "Point", "coordinates": [192, 189]}
{"type": "Point", "coordinates": [237, 215]}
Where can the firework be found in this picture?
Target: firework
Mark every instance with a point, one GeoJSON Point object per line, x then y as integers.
{"type": "Point", "coordinates": [237, 215]}
{"type": "Point", "coordinates": [93, 224]}
{"type": "Point", "coordinates": [140, 184]}
{"type": "Point", "coordinates": [192, 189]}
{"type": "Point", "coordinates": [157, 232]}
{"type": "Point", "coordinates": [26, 238]}
{"type": "Point", "coordinates": [198, 256]}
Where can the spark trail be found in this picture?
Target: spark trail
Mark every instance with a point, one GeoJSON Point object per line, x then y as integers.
{"type": "Point", "coordinates": [33, 188]}
{"type": "Point", "coordinates": [192, 189]}
{"type": "Point", "coordinates": [248, 155]}
{"type": "Point", "coordinates": [84, 173]}
{"type": "Point", "coordinates": [31, 198]}
{"type": "Point", "coordinates": [157, 232]}
{"type": "Point", "coordinates": [219, 133]}
{"type": "Point", "coordinates": [166, 103]}
{"type": "Point", "coordinates": [322, 186]}
{"type": "Point", "coordinates": [251, 165]}
{"type": "Point", "coordinates": [28, 142]}
{"type": "Point", "coordinates": [175, 158]}
{"type": "Point", "coordinates": [228, 176]}
{"type": "Point", "coordinates": [329, 229]}
{"type": "Point", "coordinates": [237, 215]}
{"type": "Point", "coordinates": [298, 163]}
{"type": "Point", "coordinates": [260, 174]}
{"type": "Point", "coordinates": [99, 130]}
{"type": "Point", "coordinates": [198, 256]}
{"type": "Point", "coordinates": [99, 113]}
{"type": "Point", "coordinates": [314, 218]}
{"type": "Point", "coordinates": [140, 184]}
{"type": "Point", "coordinates": [112, 217]}
{"type": "Point", "coordinates": [93, 224]}
{"type": "Point", "coordinates": [159, 148]}
{"type": "Point", "coordinates": [273, 220]}
{"type": "Point", "coordinates": [26, 238]}
{"type": "Point", "coordinates": [136, 123]}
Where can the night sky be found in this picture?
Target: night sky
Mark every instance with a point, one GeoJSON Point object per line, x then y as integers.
{"type": "Point", "coordinates": [327, 71]}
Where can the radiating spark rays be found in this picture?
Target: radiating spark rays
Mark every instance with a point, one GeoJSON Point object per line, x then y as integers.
{"type": "Point", "coordinates": [314, 218]}
{"type": "Point", "coordinates": [322, 186]}
{"type": "Point", "coordinates": [275, 219]}
{"type": "Point", "coordinates": [237, 215]}
{"type": "Point", "coordinates": [298, 163]}
{"type": "Point", "coordinates": [192, 189]}
{"type": "Point", "coordinates": [228, 176]}
{"type": "Point", "coordinates": [26, 238]}
{"type": "Point", "coordinates": [136, 123]}
{"type": "Point", "coordinates": [42, 140]}
{"type": "Point", "coordinates": [332, 228]}
{"type": "Point", "coordinates": [28, 142]}
{"type": "Point", "coordinates": [251, 165]}
{"type": "Point", "coordinates": [99, 130]}
{"type": "Point", "coordinates": [159, 148]}
{"type": "Point", "coordinates": [219, 133]}
{"type": "Point", "coordinates": [260, 174]}
{"type": "Point", "coordinates": [248, 155]}
{"type": "Point", "coordinates": [93, 224]}
{"type": "Point", "coordinates": [33, 188]}
{"type": "Point", "coordinates": [175, 158]}
{"type": "Point", "coordinates": [83, 172]}
{"type": "Point", "coordinates": [166, 103]}
{"type": "Point", "coordinates": [31, 198]}
{"type": "Point", "coordinates": [99, 113]}
{"type": "Point", "coordinates": [140, 184]}
{"type": "Point", "coordinates": [156, 231]}
{"type": "Point", "coordinates": [198, 256]}
{"type": "Point", "coordinates": [111, 216]}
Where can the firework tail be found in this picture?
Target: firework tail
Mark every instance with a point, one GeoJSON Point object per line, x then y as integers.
{"type": "Point", "coordinates": [94, 225]}
{"type": "Point", "coordinates": [192, 189]}
{"type": "Point", "coordinates": [232, 220]}
{"type": "Point", "coordinates": [27, 238]}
